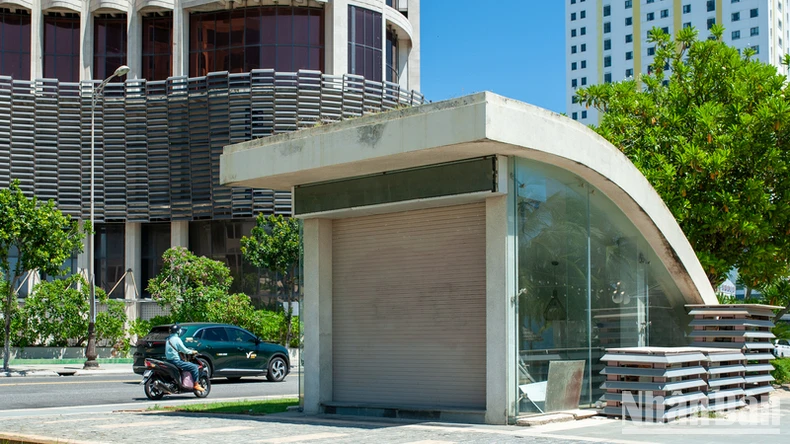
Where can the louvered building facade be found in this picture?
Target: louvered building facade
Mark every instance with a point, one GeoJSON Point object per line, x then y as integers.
{"type": "Point", "coordinates": [203, 75]}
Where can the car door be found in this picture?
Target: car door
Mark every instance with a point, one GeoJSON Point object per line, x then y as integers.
{"type": "Point", "coordinates": [246, 355]}
{"type": "Point", "coordinates": [214, 342]}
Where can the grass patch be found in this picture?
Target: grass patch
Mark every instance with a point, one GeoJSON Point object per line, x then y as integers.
{"type": "Point", "coordinates": [236, 407]}
{"type": "Point", "coordinates": [781, 372]}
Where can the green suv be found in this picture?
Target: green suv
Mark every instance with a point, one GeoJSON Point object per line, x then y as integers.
{"type": "Point", "coordinates": [226, 350]}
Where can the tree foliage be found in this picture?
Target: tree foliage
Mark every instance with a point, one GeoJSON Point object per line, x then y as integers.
{"type": "Point", "coordinates": [43, 239]}
{"type": "Point", "coordinates": [56, 315]}
{"type": "Point", "coordinates": [714, 141]}
{"type": "Point", "coordinates": [275, 244]}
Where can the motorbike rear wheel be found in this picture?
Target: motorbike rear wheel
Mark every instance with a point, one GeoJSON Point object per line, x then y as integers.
{"type": "Point", "coordinates": [204, 382]}
{"type": "Point", "coordinates": [151, 391]}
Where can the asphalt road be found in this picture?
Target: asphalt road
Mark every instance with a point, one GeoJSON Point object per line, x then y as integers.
{"type": "Point", "coordinates": [67, 391]}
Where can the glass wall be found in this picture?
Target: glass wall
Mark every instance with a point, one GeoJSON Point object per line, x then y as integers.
{"type": "Point", "coordinates": [155, 240]}
{"type": "Point", "coordinates": [62, 47]}
{"type": "Point", "coordinates": [266, 37]}
{"type": "Point", "coordinates": [364, 43]}
{"type": "Point", "coordinates": [109, 45]}
{"type": "Point", "coordinates": [392, 57]}
{"type": "Point", "coordinates": [109, 261]}
{"type": "Point", "coordinates": [158, 46]}
{"type": "Point", "coordinates": [15, 44]}
{"type": "Point", "coordinates": [587, 280]}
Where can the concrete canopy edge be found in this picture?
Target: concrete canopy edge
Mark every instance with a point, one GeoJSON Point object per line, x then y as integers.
{"type": "Point", "coordinates": [462, 128]}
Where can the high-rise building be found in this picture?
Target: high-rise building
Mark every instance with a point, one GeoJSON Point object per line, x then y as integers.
{"type": "Point", "coordinates": [606, 40]}
{"type": "Point", "coordinates": [203, 74]}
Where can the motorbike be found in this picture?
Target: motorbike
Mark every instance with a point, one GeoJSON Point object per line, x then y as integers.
{"type": "Point", "coordinates": [163, 378]}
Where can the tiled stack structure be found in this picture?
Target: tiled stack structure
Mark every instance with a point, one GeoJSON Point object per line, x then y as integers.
{"type": "Point", "coordinates": [666, 383]}
{"type": "Point", "coordinates": [726, 370]}
{"type": "Point", "coordinates": [743, 327]}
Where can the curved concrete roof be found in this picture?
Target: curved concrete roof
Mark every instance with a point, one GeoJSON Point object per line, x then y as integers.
{"type": "Point", "coordinates": [462, 128]}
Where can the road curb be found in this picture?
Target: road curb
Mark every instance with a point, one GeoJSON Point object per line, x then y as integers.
{"type": "Point", "coordinates": [38, 439]}
{"type": "Point", "coordinates": [29, 374]}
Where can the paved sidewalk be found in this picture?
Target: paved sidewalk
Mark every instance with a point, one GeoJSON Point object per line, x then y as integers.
{"type": "Point", "coordinates": [293, 427]}
{"type": "Point", "coordinates": [65, 370]}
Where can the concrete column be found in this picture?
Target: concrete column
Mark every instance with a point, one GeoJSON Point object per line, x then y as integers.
{"type": "Point", "coordinates": [180, 40]}
{"type": "Point", "coordinates": [317, 314]}
{"type": "Point", "coordinates": [134, 43]}
{"type": "Point", "coordinates": [403, 62]}
{"type": "Point", "coordinates": [336, 37]}
{"type": "Point", "coordinates": [414, 54]}
{"type": "Point", "coordinates": [500, 313]}
{"type": "Point", "coordinates": [133, 261]}
{"type": "Point", "coordinates": [179, 233]}
{"type": "Point", "coordinates": [36, 41]}
{"type": "Point", "coordinates": [86, 42]}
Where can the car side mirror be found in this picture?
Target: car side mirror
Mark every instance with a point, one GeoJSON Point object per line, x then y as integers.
{"type": "Point", "coordinates": [258, 341]}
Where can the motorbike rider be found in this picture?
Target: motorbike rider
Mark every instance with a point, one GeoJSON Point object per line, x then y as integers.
{"type": "Point", "coordinates": [172, 347]}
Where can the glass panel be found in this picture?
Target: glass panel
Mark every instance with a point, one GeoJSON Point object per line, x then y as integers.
{"type": "Point", "coordinates": [301, 58]}
{"type": "Point", "coordinates": [301, 27]}
{"type": "Point", "coordinates": [268, 26]}
{"type": "Point", "coordinates": [315, 25]}
{"type": "Point", "coordinates": [49, 67]}
{"type": "Point", "coordinates": [284, 59]}
{"type": "Point", "coordinates": [587, 281]}
{"type": "Point", "coordinates": [252, 58]}
{"type": "Point", "coordinates": [64, 70]}
{"type": "Point", "coordinates": [236, 60]}
{"type": "Point", "coordinates": [316, 60]}
{"type": "Point", "coordinates": [237, 28]}
{"type": "Point", "coordinates": [49, 36]}
{"type": "Point", "coordinates": [268, 57]}
{"type": "Point", "coordinates": [223, 30]}
{"type": "Point", "coordinates": [252, 31]}
{"type": "Point", "coordinates": [284, 27]}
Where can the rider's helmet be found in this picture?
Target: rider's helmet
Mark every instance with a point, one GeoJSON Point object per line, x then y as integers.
{"type": "Point", "coordinates": [175, 329]}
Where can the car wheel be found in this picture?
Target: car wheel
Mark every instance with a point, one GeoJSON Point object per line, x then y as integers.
{"type": "Point", "coordinates": [151, 391]}
{"type": "Point", "coordinates": [277, 369]}
{"type": "Point", "coordinates": [204, 382]}
{"type": "Point", "coordinates": [204, 362]}
{"type": "Point", "coordinates": [234, 378]}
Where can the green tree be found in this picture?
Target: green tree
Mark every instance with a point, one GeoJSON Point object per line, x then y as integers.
{"type": "Point", "coordinates": [188, 284]}
{"type": "Point", "coordinates": [42, 237]}
{"type": "Point", "coordinates": [713, 138]}
{"type": "Point", "coordinates": [275, 244]}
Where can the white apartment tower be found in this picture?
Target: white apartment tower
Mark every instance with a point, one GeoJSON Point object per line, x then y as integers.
{"type": "Point", "coordinates": [607, 39]}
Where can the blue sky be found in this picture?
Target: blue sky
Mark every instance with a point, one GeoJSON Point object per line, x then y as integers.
{"type": "Point", "coordinates": [515, 49]}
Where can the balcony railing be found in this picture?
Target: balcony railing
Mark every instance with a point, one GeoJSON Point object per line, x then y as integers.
{"type": "Point", "coordinates": [158, 143]}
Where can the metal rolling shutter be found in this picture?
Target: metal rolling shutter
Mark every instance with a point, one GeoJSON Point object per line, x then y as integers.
{"type": "Point", "coordinates": [409, 308]}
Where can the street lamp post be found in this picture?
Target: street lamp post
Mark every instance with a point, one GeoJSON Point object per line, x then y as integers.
{"type": "Point", "coordinates": [90, 351]}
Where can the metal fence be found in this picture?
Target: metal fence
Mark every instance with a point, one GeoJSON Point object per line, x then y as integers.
{"type": "Point", "coordinates": [157, 143]}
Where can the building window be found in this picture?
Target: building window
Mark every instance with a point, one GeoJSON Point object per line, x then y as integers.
{"type": "Point", "coordinates": [574, 83]}
{"type": "Point", "coordinates": [15, 44]}
{"type": "Point", "coordinates": [651, 50]}
{"type": "Point", "coordinates": [629, 38]}
{"type": "Point", "coordinates": [607, 44]}
{"type": "Point", "coordinates": [575, 116]}
{"type": "Point", "coordinates": [62, 47]}
{"type": "Point", "coordinates": [650, 1]}
{"type": "Point", "coordinates": [735, 16]}
{"type": "Point", "coordinates": [711, 5]}
{"type": "Point", "coordinates": [109, 45]}
{"type": "Point", "coordinates": [155, 241]}
{"type": "Point", "coordinates": [628, 4]}
{"type": "Point", "coordinates": [584, 81]}
{"type": "Point", "coordinates": [364, 43]}
{"type": "Point", "coordinates": [109, 261]}
{"type": "Point", "coordinates": [573, 66]}
{"type": "Point", "coordinates": [607, 78]}
{"type": "Point", "coordinates": [665, 29]}
{"type": "Point", "coordinates": [754, 12]}
{"type": "Point", "coordinates": [687, 25]}
{"type": "Point", "coordinates": [584, 114]}
{"type": "Point", "coordinates": [629, 55]}
{"type": "Point", "coordinates": [629, 21]}
{"type": "Point", "coordinates": [651, 16]}
{"type": "Point", "coordinates": [573, 2]}
{"type": "Point", "coordinates": [629, 72]}
{"type": "Point", "coordinates": [686, 9]}
{"type": "Point", "coordinates": [583, 47]}
{"type": "Point", "coordinates": [607, 11]}
{"type": "Point", "coordinates": [573, 49]}
{"type": "Point", "coordinates": [607, 27]}
{"type": "Point", "coordinates": [754, 31]}
{"type": "Point", "coordinates": [583, 14]}
{"type": "Point", "coordinates": [392, 57]}
{"type": "Point", "coordinates": [756, 49]}
{"type": "Point", "coordinates": [573, 16]}
{"type": "Point", "coordinates": [583, 30]}
{"type": "Point", "coordinates": [282, 38]}
{"type": "Point", "coordinates": [573, 33]}
{"type": "Point", "coordinates": [664, 13]}
{"type": "Point", "coordinates": [157, 47]}
{"type": "Point", "coordinates": [711, 22]}
{"type": "Point", "coordinates": [736, 35]}
{"type": "Point", "coordinates": [607, 61]}
{"type": "Point", "coordinates": [584, 64]}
